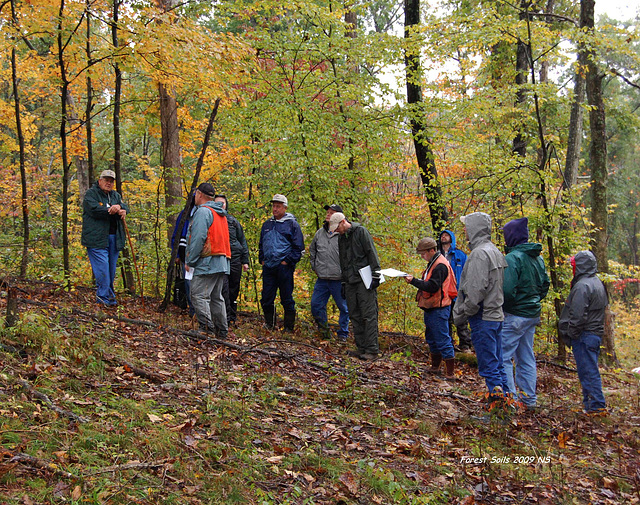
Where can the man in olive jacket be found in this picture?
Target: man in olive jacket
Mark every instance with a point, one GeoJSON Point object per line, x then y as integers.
{"type": "Point", "coordinates": [526, 283]}
{"type": "Point", "coordinates": [358, 251]}
{"type": "Point", "coordinates": [103, 214]}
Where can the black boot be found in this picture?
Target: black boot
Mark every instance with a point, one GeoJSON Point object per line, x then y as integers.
{"type": "Point", "coordinates": [289, 320]}
{"type": "Point", "coordinates": [269, 317]}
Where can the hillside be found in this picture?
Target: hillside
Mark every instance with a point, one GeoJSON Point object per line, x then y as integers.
{"type": "Point", "coordinates": [133, 406]}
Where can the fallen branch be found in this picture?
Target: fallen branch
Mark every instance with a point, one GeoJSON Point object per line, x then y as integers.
{"type": "Point", "coordinates": [42, 464]}
{"type": "Point", "coordinates": [133, 465]}
{"type": "Point", "coordinates": [47, 401]}
{"type": "Point", "coordinates": [156, 378]}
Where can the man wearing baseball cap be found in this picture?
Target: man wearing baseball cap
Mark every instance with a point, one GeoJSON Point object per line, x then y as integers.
{"type": "Point", "coordinates": [325, 262]}
{"type": "Point", "coordinates": [103, 214]}
{"type": "Point", "coordinates": [281, 247]}
{"type": "Point", "coordinates": [358, 251]}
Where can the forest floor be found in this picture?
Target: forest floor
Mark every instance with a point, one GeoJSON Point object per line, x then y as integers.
{"type": "Point", "coordinates": [134, 406]}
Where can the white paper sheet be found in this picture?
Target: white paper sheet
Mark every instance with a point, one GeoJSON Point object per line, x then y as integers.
{"type": "Point", "coordinates": [392, 272]}
{"type": "Point", "coordinates": [188, 274]}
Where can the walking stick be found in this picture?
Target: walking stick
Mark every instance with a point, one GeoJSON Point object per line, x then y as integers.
{"type": "Point", "coordinates": [133, 255]}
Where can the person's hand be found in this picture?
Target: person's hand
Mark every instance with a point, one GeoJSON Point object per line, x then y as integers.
{"type": "Point", "coordinates": [408, 278]}
{"type": "Point", "coordinates": [114, 209]}
{"type": "Point", "coordinates": [245, 267]}
{"type": "Point", "coordinates": [122, 213]}
{"type": "Point", "coordinates": [283, 262]}
{"type": "Point", "coordinates": [374, 284]}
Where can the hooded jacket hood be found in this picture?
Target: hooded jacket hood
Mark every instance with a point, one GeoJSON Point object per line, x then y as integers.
{"type": "Point", "coordinates": [451, 234]}
{"type": "Point", "coordinates": [586, 264]}
{"type": "Point", "coordinates": [478, 226]}
{"type": "Point", "coordinates": [216, 206]}
{"type": "Point", "coordinates": [516, 232]}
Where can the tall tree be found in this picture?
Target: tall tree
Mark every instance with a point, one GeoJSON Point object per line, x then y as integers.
{"type": "Point", "coordinates": [421, 141]}
{"type": "Point", "coordinates": [21, 147]}
{"type": "Point", "coordinates": [171, 156]}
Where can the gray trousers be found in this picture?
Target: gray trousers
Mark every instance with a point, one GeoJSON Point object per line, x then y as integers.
{"type": "Point", "coordinates": [208, 302]}
{"type": "Point", "coordinates": [363, 312]}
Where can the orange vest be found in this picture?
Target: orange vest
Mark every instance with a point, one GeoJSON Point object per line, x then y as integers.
{"type": "Point", "coordinates": [447, 292]}
{"type": "Point", "coordinates": [217, 243]}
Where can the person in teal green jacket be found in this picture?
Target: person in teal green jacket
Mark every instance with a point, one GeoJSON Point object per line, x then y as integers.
{"type": "Point", "coordinates": [103, 214]}
{"type": "Point", "coordinates": [525, 285]}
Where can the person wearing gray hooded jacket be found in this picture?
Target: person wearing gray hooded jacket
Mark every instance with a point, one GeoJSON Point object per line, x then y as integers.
{"type": "Point", "coordinates": [480, 300]}
{"type": "Point", "coordinates": [208, 254]}
{"type": "Point", "coordinates": [581, 326]}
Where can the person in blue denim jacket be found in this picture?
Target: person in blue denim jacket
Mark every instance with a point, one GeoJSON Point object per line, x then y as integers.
{"type": "Point", "coordinates": [281, 247]}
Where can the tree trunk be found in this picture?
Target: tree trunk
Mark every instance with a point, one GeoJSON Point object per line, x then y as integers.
{"type": "Point", "coordinates": [85, 184]}
{"type": "Point", "coordinates": [183, 218]}
{"type": "Point", "coordinates": [171, 157]}
{"type": "Point", "coordinates": [23, 173]}
{"type": "Point", "coordinates": [64, 91]}
{"type": "Point", "coordinates": [522, 69]}
{"type": "Point", "coordinates": [423, 146]}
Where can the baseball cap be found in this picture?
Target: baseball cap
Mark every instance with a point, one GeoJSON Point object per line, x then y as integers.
{"type": "Point", "coordinates": [335, 220]}
{"type": "Point", "coordinates": [280, 199]}
{"type": "Point", "coordinates": [108, 173]}
{"type": "Point", "coordinates": [207, 189]}
{"type": "Point", "coordinates": [425, 244]}
{"type": "Point", "coordinates": [333, 206]}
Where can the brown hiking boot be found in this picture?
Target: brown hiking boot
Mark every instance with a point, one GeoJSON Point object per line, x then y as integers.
{"type": "Point", "coordinates": [368, 356]}
{"type": "Point", "coordinates": [449, 366]}
{"type": "Point", "coordinates": [436, 361]}
{"type": "Point", "coordinates": [354, 353]}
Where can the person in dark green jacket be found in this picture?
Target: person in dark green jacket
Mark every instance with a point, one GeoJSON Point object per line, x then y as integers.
{"type": "Point", "coordinates": [526, 283]}
{"type": "Point", "coordinates": [103, 214]}
{"type": "Point", "coordinates": [358, 251]}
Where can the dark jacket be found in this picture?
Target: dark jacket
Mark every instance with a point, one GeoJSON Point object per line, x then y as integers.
{"type": "Point", "coordinates": [182, 237]}
{"type": "Point", "coordinates": [96, 220]}
{"type": "Point", "coordinates": [281, 240]}
{"type": "Point", "coordinates": [526, 281]}
{"type": "Point", "coordinates": [357, 250]}
{"type": "Point", "coordinates": [584, 309]}
{"type": "Point", "coordinates": [239, 247]}
{"type": "Point", "coordinates": [455, 256]}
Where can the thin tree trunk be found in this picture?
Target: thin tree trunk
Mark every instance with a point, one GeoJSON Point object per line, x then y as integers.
{"type": "Point", "coordinates": [423, 146]}
{"type": "Point", "coordinates": [84, 186]}
{"type": "Point", "coordinates": [23, 173]}
{"type": "Point", "coordinates": [183, 218]}
{"type": "Point", "coordinates": [127, 271]}
{"type": "Point", "coordinates": [64, 91]}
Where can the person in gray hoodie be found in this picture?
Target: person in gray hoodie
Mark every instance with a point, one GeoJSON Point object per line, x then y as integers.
{"type": "Point", "coordinates": [581, 326]}
{"type": "Point", "coordinates": [208, 254]}
{"type": "Point", "coordinates": [480, 300]}
{"type": "Point", "coordinates": [325, 262]}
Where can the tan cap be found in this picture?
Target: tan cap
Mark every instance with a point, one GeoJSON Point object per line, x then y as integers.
{"type": "Point", "coordinates": [108, 173]}
{"type": "Point", "coordinates": [335, 220]}
{"type": "Point", "coordinates": [280, 199]}
{"type": "Point", "coordinates": [425, 244]}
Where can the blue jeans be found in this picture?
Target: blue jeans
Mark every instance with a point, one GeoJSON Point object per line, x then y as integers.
{"type": "Point", "coordinates": [274, 279]}
{"type": "Point", "coordinates": [586, 350]}
{"type": "Point", "coordinates": [517, 345]}
{"type": "Point", "coordinates": [436, 322]}
{"type": "Point", "coordinates": [323, 289]}
{"type": "Point", "coordinates": [103, 263]}
{"type": "Point", "coordinates": [487, 341]}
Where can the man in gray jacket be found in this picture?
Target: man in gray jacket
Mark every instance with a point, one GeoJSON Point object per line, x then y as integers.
{"type": "Point", "coordinates": [480, 301]}
{"type": "Point", "coordinates": [209, 254]}
{"type": "Point", "coordinates": [325, 262]}
{"type": "Point", "coordinates": [581, 326]}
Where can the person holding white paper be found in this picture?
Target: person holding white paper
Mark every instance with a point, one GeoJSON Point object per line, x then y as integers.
{"type": "Point", "coordinates": [357, 252]}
